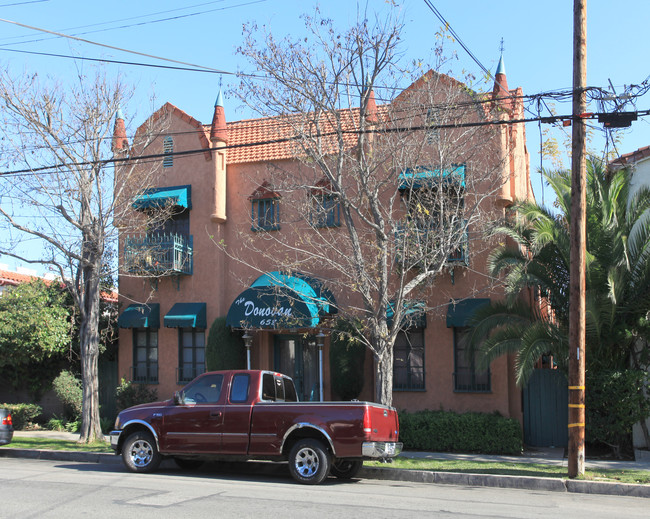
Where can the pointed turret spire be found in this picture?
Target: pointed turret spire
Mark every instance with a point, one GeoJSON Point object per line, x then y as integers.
{"type": "Point", "coordinates": [500, 89]}
{"type": "Point", "coordinates": [219, 131]}
{"type": "Point", "coordinates": [120, 142]}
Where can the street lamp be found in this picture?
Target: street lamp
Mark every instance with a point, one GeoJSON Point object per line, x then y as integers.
{"type": "Point", "coordinates": [320, 341]}
{"type": "Point", "coordinates": [248, 342]}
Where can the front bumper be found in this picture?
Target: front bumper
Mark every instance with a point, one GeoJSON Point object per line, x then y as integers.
{"type": "Point", "coordinates": [115, 439]}
{"type": "Point", "coordinates": [381, 449]}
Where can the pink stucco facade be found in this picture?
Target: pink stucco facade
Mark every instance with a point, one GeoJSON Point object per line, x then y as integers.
{"type": "Point", "coordinates": [221, 180]}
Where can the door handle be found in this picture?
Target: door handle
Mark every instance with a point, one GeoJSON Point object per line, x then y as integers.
{"type": "Point", "coordinates": [215, 414]}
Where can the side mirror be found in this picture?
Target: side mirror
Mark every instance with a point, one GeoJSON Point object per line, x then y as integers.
{"type": "Point", "coordinates": [179, 398]}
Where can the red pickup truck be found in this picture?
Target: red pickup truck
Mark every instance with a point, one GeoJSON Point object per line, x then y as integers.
{"type": "Point", "coordinates": [255, 415]}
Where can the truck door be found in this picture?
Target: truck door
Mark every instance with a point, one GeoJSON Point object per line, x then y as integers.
{"type": "Point", "coordinates": [237, 415]}
{"type": "Point", "coordinates": [195, 423]}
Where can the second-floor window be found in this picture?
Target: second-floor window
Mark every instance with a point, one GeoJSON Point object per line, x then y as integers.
{"type": "Point", "coordinates": [265, 214]}
{"type": "Point", "coordinates": [325, 210]}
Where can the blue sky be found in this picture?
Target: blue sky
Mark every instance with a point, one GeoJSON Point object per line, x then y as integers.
{"type": "Point", "coordinates": [537, 38]}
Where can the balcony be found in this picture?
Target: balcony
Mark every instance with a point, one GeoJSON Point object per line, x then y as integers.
{"type": "Point", "coordinates": [158, 254]}
{"type": "Point", "coordinates": [415, 241]}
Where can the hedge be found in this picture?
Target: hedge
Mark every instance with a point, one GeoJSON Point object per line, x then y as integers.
{"type": "Point", "coordinates": [22, 414]}
{"type": "Point", "coordinates": [446, 431]}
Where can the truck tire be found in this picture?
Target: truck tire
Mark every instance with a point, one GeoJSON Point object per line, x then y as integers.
{"type": "Point", "coordinates": [346, 469]}
{"type": "Point", "coordinates": [309, 462]}
{"type": "Point", "coordinates": [140, 453]}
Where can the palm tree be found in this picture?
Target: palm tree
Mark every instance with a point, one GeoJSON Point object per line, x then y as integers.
{"type": "Point", "coordinates": [537, 262]}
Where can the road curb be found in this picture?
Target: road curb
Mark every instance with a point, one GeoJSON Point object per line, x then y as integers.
{"type": "Point", "coordinates": [81, 457]}
{"type": "Point", "coordinates": [390, 474]}
{"type": "Point", "coordinates": [514, 482]}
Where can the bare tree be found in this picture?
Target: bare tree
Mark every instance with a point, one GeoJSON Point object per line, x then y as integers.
{"type": "Point", "coordinates": [388, 193]}
{"type": "Point", "coordinates": [59, 194]}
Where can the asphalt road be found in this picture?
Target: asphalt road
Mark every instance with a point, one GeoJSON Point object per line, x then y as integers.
{"type": "Point", "coordinates": [54, 489]}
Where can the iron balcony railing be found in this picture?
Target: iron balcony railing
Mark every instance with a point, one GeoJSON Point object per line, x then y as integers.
{"type": "Point", "coordinates": [158, 254]}
{"type": "Point", "coordinates": [413, 240]}
{"type": "Point", "coordinates": [145, 373]}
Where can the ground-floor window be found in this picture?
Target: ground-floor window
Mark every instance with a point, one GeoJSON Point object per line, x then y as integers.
{"type": "Point", "coordinates": [467, 377]}
{"type": "Point", "coordinates": [191, 356]}
{"type": "Point", "coordinates": [408, 360]}
{"type": "Point", "coordinates": [145, 356]}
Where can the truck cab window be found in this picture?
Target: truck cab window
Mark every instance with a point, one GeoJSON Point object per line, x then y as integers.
{"type": "Point", "coordinates": [205, 390]}
{"type": "Point", "coordinates": [239, 388]}
{"type": "Point", "coordinates": [268, 387]}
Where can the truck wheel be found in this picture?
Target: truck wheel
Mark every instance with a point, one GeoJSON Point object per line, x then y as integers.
{"type": "Point", "coordinates": [309, 462]}
{"type": "Point", "coordinates": [140, 453]}
{"type": "Point", "coordinates": [346, 469]}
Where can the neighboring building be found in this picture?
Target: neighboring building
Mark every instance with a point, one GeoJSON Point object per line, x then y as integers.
{"type": "Point", "coordinates": [181, 281]}
{"type": "Point", "coordinates": [638, 164]}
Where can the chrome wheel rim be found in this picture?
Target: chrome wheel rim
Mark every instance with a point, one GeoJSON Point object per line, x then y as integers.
{"type": "Point", "coordinates": [141, 453]}
{"type": "Point", "coordinates": [307, 462]}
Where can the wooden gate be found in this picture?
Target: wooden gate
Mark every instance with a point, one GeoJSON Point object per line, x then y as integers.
{"type": "Point", "coordinates": [546, 415]}
{"type": "Point", "coordinates": [107, 371]}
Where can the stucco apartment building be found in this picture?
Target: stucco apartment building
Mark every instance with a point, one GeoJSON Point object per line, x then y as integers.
{"type": "Point", "coordinates": [226, 192]}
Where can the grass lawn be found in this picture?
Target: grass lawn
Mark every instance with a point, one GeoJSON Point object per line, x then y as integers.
{"type": "Point", "coordinates": [24, 442]}
{"type": "Point", "coordinates": [513, 469]}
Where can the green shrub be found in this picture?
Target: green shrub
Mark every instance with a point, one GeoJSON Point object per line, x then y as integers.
{"type": "Point", "coordinates": [68, 388]}
{"type": "Point", "coordinates": [62, 424]}
{"type": "Point", "coordinates": [23, 414]}
{"type": "Point", "coordinates": [225, 349]}
{"type": "Point", "coordinates": [614, 402]}
{"type": "Point", "coordinates": [347, 358]}
{"type": "Point", "coordinates": [446, 431]}
{"type": "Point", "coordinates": [128, 394]}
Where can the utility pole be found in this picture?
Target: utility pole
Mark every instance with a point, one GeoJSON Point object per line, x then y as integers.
{"type": "Point", "coordinates": [578, 246]}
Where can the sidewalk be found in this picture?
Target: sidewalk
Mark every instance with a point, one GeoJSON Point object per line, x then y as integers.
{"type": "Point", "coordinates": [542, 456]}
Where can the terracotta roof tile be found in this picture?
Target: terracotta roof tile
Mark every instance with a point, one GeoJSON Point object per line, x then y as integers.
{"type": "Point", "coordinates": [630, 158]}
{"type": "Point", "coordinates": [9, 278]}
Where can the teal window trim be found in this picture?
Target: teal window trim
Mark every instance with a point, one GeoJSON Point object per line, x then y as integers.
{"type": "Point", "coordinates": [467, 379]}
{"type": "Point", "coordinates": [265, 214]}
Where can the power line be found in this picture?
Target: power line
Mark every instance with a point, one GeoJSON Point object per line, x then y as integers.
{"type": "Point", "coordinates": [116, 160]}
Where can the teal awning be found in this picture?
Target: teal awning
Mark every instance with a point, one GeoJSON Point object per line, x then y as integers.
{"type": "Point", "coordinates": [186, 315]}
{"type": "Point", "coordinates": [277, 300]}
{"type": "Point", "coordinates": [415, 178]}
{"type": "Point", "coordinates": [415, 315]}
{"type": "Point", "coordinates": [140, 316]}
{"type": "Point", "coordinates": [460, 312]}
{"type": "Point", "coordinates": [179, 196]}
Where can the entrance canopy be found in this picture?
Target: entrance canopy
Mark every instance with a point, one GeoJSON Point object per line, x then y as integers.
{"type": "Point", "coordinates": [276, 300]}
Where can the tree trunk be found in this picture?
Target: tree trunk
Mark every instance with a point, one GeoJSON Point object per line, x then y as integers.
{"type": "Point", "coordinates": [89, 343]}
{"type": "Point", "coordinates": [384, 387]}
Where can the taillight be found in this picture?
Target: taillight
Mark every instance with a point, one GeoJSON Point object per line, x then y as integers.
{"type": "Point", "coordinates": [7, 420]}
{"type": "Point", "coordinates": [367, 425]}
